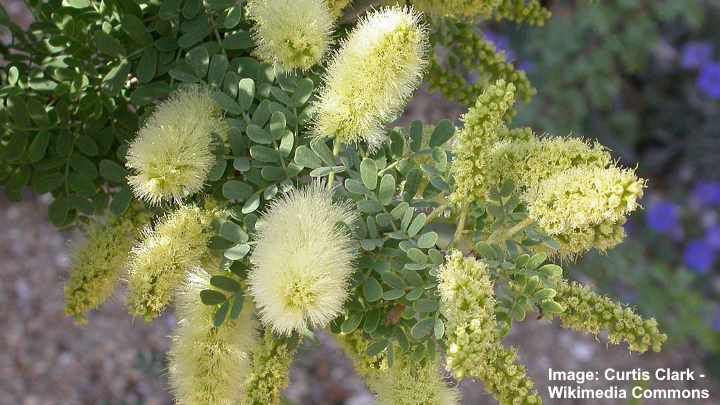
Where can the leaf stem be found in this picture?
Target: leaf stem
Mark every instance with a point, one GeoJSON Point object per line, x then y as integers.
{"type": "Point", "coordinates": [336, 152]}
{"type": "Point", "coordinates": [495, 238]}
{"type": "Point", "coordinates": [461, 225]}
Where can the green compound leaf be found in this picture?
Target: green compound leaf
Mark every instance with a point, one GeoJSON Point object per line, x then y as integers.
{"type": "Point", "coordinates": [264, 154]}
{"type": "Point", "coordinates": [386, 192]}
{"type": "Point", "coordinates": [305, 157]}
{"type": "Point", "coordinates": [551, 271]}
{"type": "Point", "coordinates": [377, 347]}
{"type": "Point", "coordinates": [221, 314]}
{"type": "Point", "coordinates": [112, 171]}
{"type": "Point", "coordinates": [372, 289]}
{"type": "Point", "coordinates": [258, 134]}
{"type": "Point", "coordinates": [225, 283]}
{"type": "Point", "coordinates": [355, 186]}
{"type": "Point", "coordinates": [393, 280]}
{"type": "Point", "coordinates": [227, 103]}
{"type": "Point", "coordinates": [237, 305]}
{"type": "Point", "coordinates": [233, 232]}
{"type": "Point", "coordinates": [427, 240]}
{"type": "Point", "coordinates": [369, 173]}
{"type": "Point", "coordinates": [237, 190]}
{"type": "Point", "coordinates": [422, 328]}
{"type": "Point", "coordinates": [442, 133]}
{"type": "Point", "coordinates": [212, 297]}
{"type": "Point", "coordinates": [246, 93]}
{"type": "Point", "coordinates": [417, 224]}
{"type": "Point", "coordinates": [439, 329]}
{"type": "Point", "coordinates": [238, 40]}
{"type": "Point", "coordinates": [351, 323]}
{"type": "Point", "coordinates": [393, 294]}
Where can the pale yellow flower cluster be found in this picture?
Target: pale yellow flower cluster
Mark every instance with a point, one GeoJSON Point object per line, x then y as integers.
{"type": "Point", "coordinates": [207, 363]}
{"type": "Point", "coordinates": [474, 346]}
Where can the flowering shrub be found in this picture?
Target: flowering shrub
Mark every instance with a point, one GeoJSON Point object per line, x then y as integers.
{"type": "Point", "coordinates": [236, 160]}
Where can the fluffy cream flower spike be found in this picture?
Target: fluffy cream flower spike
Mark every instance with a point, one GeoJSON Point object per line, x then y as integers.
{"type": "Point", "coordinates": [302, 261]}
{"type": "Point", "coordinates": [207, 363]}
{"type": "Point", "coordinates": [291, 34]}
{"type": "Point", "coordinates": [172, 155]}
{"type": "Point", "coordinates": [99, 262]}
{"type": "Point", "coordinates": [159, 264]}
{"type": "Point", "coordinates": [372, 76]}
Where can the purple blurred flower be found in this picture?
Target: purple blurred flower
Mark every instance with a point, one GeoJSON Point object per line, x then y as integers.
{"type": "Point", "coordinates": [716, 321]}
{"type": "Point", "coordinates": [663, 217]}
{"type": "Point", "coordinates": [699, 256]}
{"type": "Point", "coordinates": [696, 54]}
{"type": "Point", "coordinates": [708, 82]}
{"type": "Point", "coordinates": [707, 194]}
{"type": "Point", "coordinates": [712, 237]}
{"type": "Point", "coordinates": [501, 43]}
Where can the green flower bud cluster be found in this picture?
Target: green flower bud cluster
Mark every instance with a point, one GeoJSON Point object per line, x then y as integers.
{"type": "Point", "coordinates": [468, 51]}
{"type": "Point", "coordinates": [585, 207]}
{"type": "Point", "coordinates": [572, 188]}
{"type": "Point", "coordinates": [355, 346]}
{"type": "Point", "coordinates": [268, 375]}
{"type": "Point", "coordinates": [405, 383]}
{"type": "Point", "coordinates": [207, 362]}
{"type": "Point", "coordinates": [99, 262]}
{"type": "Point", "coordinates": [291, 34]}
{"type": "Point", "coordinates": [159, 264]}
{"type": "Point", "coordinates": [528, 163]}
{"type": "Point", "coordinates": [474, 347]}
{"type": "Point", "coordinates": [588, 312]}
{"type": "Point", "coordinates": [483, 123]}
{"type": "Point", "coordinates": [457, 8]}
{"type": "Point", "coordinates": [410, 383]}
{"type": "Point", "coordinates": [522, 11]}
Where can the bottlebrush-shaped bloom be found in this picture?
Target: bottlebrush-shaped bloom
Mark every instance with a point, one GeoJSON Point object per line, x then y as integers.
{"type": "Point", "coordinates": [588, 312]}
{"type": "Point", "coordinates": [530, 162]}
{"type": "Point", "coordinates": [371, 77]}
{"type": "Point", "coordinates": [484, 123]}
{"type": "Point", "coordinates": [474, 347]}
{"type": "Point", "coordinates": [291, 34]}
{"type": "Point", "coordinates": [160, 262]}
{"type": "Point", "coordinates": [172, 154]}
{"type": "Point", "coordinates": [585, 207]}
{"type": "Point", "coordinates": [302, 261]}
{"type": "Point", "coordinates": [99, 262]}
{"type": "Point", "coordinates": [207, 363]}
